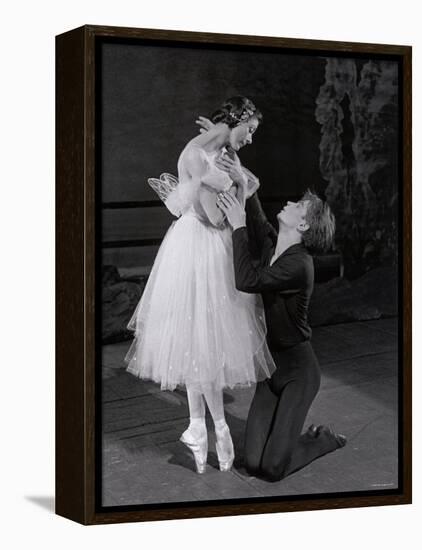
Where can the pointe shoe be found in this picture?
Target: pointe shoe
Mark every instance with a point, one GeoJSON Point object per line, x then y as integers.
{"type": "Point", "coordinates": [224, 448]}
{"type": "Point", "coordinates": [199, 449]}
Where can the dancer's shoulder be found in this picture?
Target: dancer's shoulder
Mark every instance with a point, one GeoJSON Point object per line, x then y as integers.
{"type": "Point", "coordinates": [193, 154]}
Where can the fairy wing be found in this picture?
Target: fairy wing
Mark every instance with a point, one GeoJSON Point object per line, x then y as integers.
{"type": "Point", "coordinates": [166, 188]}
{"type": "Point", "coordinates": [164, 185]}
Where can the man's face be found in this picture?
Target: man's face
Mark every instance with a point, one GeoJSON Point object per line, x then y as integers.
{"type": "Point", "coordinates": [293, 215]}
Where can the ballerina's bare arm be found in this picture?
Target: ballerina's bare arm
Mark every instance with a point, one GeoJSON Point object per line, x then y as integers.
{"type": "Point", "coordinates": [204, 124]}
{"type": "Point", "coordinates": [206, 203]}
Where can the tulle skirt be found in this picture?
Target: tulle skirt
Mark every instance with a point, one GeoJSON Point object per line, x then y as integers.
{"type": "Point", "coordinates": [192, 326]}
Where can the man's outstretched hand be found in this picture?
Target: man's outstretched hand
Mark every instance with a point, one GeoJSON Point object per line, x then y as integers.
{"type": "Point", "coordinates": [234, 211]}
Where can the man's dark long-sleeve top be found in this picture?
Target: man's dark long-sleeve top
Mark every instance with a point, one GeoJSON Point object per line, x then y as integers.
{"type": "Point", "coordinates": [286, 286]}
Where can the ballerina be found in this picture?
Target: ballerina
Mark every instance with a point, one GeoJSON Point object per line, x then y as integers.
{"type": "Point", "coordinates": [192, 327]}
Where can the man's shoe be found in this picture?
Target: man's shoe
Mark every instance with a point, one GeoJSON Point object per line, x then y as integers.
{"type": "Point", "coordinates": [312, 430]}
{"type": "Point", "coordinates": [340, 439]}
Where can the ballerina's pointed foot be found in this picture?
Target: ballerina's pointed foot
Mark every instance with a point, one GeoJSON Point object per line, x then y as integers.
{"type": "Point", "coordinates": [225, 466]}
{"type": "Point", "coordinates": [198, 447]}
{"type": "Point", "coordinates": [224, 448]}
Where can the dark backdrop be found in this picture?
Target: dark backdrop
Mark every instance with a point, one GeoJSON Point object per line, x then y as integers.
{"type": "Point", "coordinates": [153, 94]}
{"type": "Point", "coordinates": [330, 124]}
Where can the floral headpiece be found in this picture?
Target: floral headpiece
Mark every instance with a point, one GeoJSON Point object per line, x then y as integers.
{"type": "Point", "coordinates": [246, 114]}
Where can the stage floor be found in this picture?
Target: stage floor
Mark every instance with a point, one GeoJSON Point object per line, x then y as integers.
{"type": "Point", "coordinates": [143, 461]}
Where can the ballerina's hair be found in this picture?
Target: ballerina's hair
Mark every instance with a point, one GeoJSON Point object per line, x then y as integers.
{"type": "Point", "coordinates": [322, 224]}
{"type": "Point", "coordinates": [236, 110]}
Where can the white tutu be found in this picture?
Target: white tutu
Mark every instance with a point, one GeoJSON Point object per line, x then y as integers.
{"type": "Point", "coordinates": [192, 327]}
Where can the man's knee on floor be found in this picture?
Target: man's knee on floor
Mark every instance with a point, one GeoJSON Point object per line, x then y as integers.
{"type": "Point", "coordinates": [252, 463]}
{"type": "Point", "coordinates": [274, 470]}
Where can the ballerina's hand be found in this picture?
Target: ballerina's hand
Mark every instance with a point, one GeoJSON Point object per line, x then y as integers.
{"type": "Point", "coordinates": [233, 168]}
{"type": "Point", "coordinates": [204, 123]}
{"type": "Point", "coordinates": [234, 211]}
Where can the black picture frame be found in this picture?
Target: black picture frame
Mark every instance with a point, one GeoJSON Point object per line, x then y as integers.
{"type": "Point", "coordinates": [78, 294]}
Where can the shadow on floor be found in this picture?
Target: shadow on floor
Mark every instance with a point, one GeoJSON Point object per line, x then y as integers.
{"type": "Point", "coordinates": [46, 502]}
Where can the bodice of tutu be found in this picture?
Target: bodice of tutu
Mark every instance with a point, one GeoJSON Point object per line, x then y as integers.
{"type": "Point", "coordinates": [181, 195]}
{"type": "Point", "coordinates": [216, 179]}
{"type": "Point", "coordinates": [213, 177]}
{"type": "Point", "coordinates": [185, 197]}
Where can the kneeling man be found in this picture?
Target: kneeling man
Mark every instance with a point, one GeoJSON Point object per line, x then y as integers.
{"type": "Point", "coordinates": [274, 443]}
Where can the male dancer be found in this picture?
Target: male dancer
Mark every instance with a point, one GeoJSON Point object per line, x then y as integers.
{"type": "Point", "coordinates": [274, 445]}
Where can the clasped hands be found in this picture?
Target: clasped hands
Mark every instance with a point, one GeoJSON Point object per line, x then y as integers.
{"type": "Point", "coordinates": [227, 163]}
{"type": "Point", "coordinates": [234, 211]}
